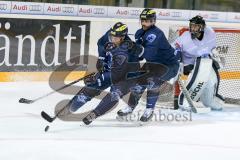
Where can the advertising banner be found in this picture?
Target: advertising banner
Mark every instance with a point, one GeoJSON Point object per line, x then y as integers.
{"type": "Point", "coordinates": [92, 11]}
{"type": "Point", "coordinates": [172, 14]}
{"type": "Point", "coordinates": [124, 12]}
{"type": "Point", "coordinates": [5, 6]}
{"type": "Point", "coordinates": [233, 17]}
{"type": "Point", "coordinates": [27, 8]}
{"type": "Point", "coordinates": [56, 9]}
{"type": "Point", "coordinates": [41, 45]}
{"type": "Point", "coordinates": [211, 16]}
{"type": "Point", "coordinates": [60, 9]}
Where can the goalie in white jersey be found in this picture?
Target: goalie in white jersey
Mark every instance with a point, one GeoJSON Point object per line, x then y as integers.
{"type": "Point", "coordinates": [195, 47]}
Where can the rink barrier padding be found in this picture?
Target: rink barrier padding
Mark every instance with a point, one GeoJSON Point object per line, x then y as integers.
{"type": "Point", "coordinates": [38, 76]}
{"type": "Point", "coordinates": [226, 75]}
{"type": "Point", "coordinates": [44, 76]}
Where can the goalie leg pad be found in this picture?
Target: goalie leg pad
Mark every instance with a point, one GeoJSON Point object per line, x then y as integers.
{"type": "Point", "coordinates": [197, 82]}
{"type": "Point", "coordinates": [209, 98]}
{"type": "Point", "coordinates": [202, 85]}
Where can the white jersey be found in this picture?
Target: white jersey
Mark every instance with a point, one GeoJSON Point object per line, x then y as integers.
{"type": "Point", "coordinates": [193, 48]}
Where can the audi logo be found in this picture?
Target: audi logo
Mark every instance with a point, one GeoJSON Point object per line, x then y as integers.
{"type": "Point", "coordinates": [35, 8]}
{"type": "Point", "coordinates": [164, 14]}
{"type": "Point", "coordinates": [135, 12]}
{"type": "Point", "coordinates": [68, 9]}
{"type": "Point", "coordinates": [176, 14]}
{"type": "Point", "coordinates": [98, 11]}
{"type": "Point", "coordinates": [3, 7]}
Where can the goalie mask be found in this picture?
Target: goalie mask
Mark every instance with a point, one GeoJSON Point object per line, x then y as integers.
{"type": "Point", "coordinates": [196, 26]}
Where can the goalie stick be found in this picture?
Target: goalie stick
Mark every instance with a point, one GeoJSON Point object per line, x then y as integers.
{"type": "Point", "coordinates": [194, 106]}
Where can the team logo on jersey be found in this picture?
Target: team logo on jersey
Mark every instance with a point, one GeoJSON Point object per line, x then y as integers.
{"type": "Point", "coordinates": [151, 37]}
{"type": "Point", "coordinates": [118, 60]}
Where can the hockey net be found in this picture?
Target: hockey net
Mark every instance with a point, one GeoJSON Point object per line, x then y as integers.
{"type": "Point", "coordinates": [228, 48]}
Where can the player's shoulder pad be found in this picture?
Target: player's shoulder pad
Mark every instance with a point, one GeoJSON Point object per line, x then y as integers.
{"type": "Point", "coordinates": [184, 37]}
{"type": "Point", "coordinates": [104, 39]}
{"type": "Point", "coordinates": [185, 34]}
{"type": "Point", "coordinates": [109, 46]}
{"type": "Point", "coordinates": [127, 44]}
{"type": "Point", "coordinates": [139, 33]}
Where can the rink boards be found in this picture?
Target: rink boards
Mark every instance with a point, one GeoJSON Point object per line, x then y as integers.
{"type": "Point", "coordinates": [33, 46]}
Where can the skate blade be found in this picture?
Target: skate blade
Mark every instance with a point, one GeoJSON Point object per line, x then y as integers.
{"type": "Point", "coordinates": [121, 118]}
{"type": "Point", "coordinates": [141, 123]}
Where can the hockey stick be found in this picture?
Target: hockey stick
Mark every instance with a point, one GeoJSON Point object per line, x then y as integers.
{"type": "Point", "coordinates": [29, 101]}
{"type": "Point", "coordinates": [194, 107]}
{"type": "Point", "coordinates": [50, 119]}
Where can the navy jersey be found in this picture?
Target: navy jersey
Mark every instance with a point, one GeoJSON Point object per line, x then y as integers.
{"type": "Point", "coordinates": [123, 62]}
{"type": "Point", "coordinates": [156, 47]}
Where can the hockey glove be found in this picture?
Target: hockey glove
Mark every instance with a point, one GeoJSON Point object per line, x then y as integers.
{"type": "Point", "coordinates": [90, 80]}
{"type": "Point", "coordinates": [109, 46]}
{"type": "Point", "coordinates": [101, 65]}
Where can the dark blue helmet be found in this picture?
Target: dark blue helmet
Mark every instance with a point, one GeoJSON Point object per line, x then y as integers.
{"type": "Point", "coordinates": [148, 14]}
{"type": "Point", "coordinates": [119, 30]}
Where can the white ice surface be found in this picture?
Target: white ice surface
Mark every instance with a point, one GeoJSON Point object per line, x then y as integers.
{"type": "Point", "coordinates": [213, 136]}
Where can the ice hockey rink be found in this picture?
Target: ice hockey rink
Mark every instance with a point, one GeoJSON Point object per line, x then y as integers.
{"type": "Point", "coordinates": [208, 136]}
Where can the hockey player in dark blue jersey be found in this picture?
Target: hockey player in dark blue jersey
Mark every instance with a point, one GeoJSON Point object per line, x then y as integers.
{"type": "Point", "coordinates": [157, 50]}
{"type": "Point", "coordinates": [125, 70]}
{"type": "Point", "coordinates": [103, 58]}
{"type": "Point", "coordinates": [113, 66]}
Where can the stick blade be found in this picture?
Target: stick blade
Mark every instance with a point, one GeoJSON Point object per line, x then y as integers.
{"type": "Point", "coordinates": [46, 117]}
{"type": "Point", "coordinates": [26, 101]}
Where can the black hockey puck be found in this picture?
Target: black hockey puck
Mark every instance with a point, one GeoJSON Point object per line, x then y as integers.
{"type": "Point", "coordinates": [46, 128]}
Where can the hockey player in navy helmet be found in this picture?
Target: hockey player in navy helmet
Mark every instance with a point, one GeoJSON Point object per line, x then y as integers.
{"type": "Point", "coordinates": [102, 79]}
{"type": "Point", "coordinates": [116, 57]}
{"type": "Point", "coordinates": [157, 52]}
